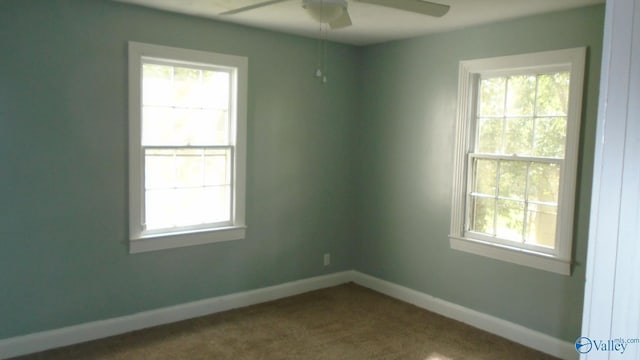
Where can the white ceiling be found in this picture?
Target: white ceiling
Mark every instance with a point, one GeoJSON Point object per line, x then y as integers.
{"type": "Point", "coordinates": [371, 23]}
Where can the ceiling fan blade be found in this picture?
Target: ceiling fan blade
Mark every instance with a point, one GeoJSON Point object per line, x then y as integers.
{"type": "Point", "coordinates": [341, 22]}
{"type": "Point", "coordinates": [417, 6]}
{"type": "Point", "coordinates": [251, 7]}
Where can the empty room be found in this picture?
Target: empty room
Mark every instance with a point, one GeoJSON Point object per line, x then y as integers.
{"type": "Point", "coordinates": [315, 179]}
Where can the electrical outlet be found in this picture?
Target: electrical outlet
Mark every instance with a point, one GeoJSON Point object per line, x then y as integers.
{"type": "Point", "coordinates": [327, 259]}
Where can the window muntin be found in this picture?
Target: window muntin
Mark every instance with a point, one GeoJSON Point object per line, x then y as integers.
{"type": "Point", "coordinates": [187, 146]}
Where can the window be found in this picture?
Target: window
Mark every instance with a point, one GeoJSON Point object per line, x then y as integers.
{"type": "Point", "coordinates": [516, 157]}
{"type": "Point", "coordinates": [187, 134]}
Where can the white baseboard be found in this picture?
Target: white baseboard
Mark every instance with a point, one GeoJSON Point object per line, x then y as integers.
{"type": "Point", "coordinates": [45, 340]}
{"type": "Point", "coordinates": [508, 330]}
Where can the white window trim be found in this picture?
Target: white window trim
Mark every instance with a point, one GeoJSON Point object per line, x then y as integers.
{"type": "Point", "coordinates": [560, 260]}
{"type": "Point", "coordinates": [139, 240]}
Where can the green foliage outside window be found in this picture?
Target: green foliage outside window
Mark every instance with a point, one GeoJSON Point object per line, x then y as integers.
{"type": "Point", "coordinates": [522, 122]}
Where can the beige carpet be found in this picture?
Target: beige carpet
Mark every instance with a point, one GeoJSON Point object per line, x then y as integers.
{"type": "Point", "coordinates": [342, 322]}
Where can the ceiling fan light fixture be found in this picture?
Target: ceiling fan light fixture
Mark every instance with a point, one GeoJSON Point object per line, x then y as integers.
{"type": "Point", "coordinates": [325, 11]}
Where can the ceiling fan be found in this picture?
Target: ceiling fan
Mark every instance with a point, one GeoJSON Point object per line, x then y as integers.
{"type": "Point", "coordinates": [334, 12]}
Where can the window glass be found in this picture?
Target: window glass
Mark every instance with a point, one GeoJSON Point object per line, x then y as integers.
{"type": "Point", "coordinates": [524, 115]}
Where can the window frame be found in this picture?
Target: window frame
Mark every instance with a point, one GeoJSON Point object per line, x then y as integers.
{"type": "Point", "coordinates": [141, 240]}
{"type": "Point", "coordinates": [470, 71]}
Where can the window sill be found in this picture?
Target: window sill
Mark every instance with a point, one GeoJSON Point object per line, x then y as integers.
{"type": "Point", "coordinates": [513, 255]}
{"type": "Point", "coordinates": [156, 242]}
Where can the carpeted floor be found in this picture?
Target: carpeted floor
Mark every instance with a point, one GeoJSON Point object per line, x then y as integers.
{"type": "Point", "coordinates": [342, 322]}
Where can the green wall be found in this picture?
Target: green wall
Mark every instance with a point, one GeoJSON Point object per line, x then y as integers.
{"type": "Point", "coordinates": [63, 147]}
{"type": "Point", "coordinates": [359, 167]}
{"type": "Point", "coordinates": [405, 171]}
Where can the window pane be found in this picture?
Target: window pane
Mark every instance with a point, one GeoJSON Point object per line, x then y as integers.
{"type": "Point", "coordinates": [157, 86]}
{"type": "Point", "coordinates": [195, 88]}
{"type": "Point", "coordinates": [159, 171]}
{"type": "Point", "coordinates": [513, 179]}
{"type": "Point", "coordinates": [553, 94]}
{"type": "Point", "coordinates": [544, 182]}
{"type": "Point", "coordinates": [492, 97]}
{"type": "Point", "coordinates": [550, 136]}
{"type": "Point", "coordinates": [174, 126]}
{"type": "Point", "coordinates": [217, 167]}
{"type": "Point", "coordinates": [202, 205]}
{"type": "Point", "coordinates": [216, 87]}
{"type": "Point", "coordinates": [518, 136]}
{"type": "Point", "coordinates": [485, 176]}
{"type": "Point", "coordinates": [159, 208]}
{"type": "Point", "coordinates": [521, 94]}
{"type": "Point", "coordinates": [541, 225]}
{"type": "Point", "coordinates": [188, 207]}
{"type": "Point", "coordinates": [490, 136]}
{"type": "Point", "coordinates": [483, 212]}
{"type": "Point", "coordinates": [187, 88]}
{"type": "Point", "coordinates": [184, 207]}
{"type": "Point", "coordinates": [216, 204]}
{"type": "Point", "coordinates": [189, 168]}
{"type": "Point", "coordinates": [510, 220]}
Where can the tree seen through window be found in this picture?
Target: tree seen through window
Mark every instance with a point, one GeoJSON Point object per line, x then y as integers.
{"type": "Point", "coordinates": [521, 127]}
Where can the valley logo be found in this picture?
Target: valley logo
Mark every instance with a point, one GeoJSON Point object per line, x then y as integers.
{"type": "Point", "coordinates": [585, 345]}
